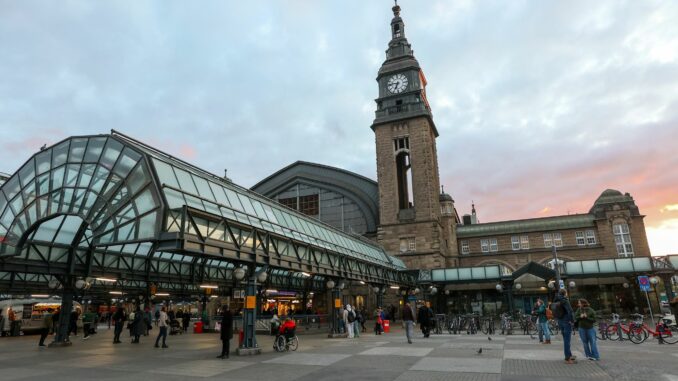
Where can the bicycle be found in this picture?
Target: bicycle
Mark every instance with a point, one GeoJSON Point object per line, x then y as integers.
{"type": "Point", "coordinates": [286, 342]}
{"type": "Point", "coordinates": [633, 331]}
{"type": "Point", "coordinates": [487, 326]}
{"type": "Point", "coordinates": [639, 331]}
{"type": "Point", "coordinates": [506, 324]}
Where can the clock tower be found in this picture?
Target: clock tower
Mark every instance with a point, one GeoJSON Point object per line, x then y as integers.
{"type": "Point", "coordinates": [407, 162]}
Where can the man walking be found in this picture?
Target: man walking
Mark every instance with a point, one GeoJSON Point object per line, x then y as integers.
{"type": "Point", "coordinates": [408, 318]}
{"type": "Point", "coordinates": [563, 312]}
{"type": "Point", "coordinates": [162, 325]}
{"type": "Point", "coordinates": [46, 326]}
{"type": "Point", "coordinates": [543, 322]}
{"type": "Point", "coordinates": [350, 321]}
{"type": "Point", "coordinates": [226, 331]}
{"type": "Point", "coordinates": [118, 321]}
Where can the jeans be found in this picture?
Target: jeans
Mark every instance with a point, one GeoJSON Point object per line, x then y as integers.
{"type": "Point", "coordinates": [544, 331]}
{"type": "Point", "coordinates": [409, 326]}
{"type": "Point", "coordinates": [225, 347]}
{"type": "Point", "coordinates": [117, 331]}
{"type": "Point", "coordinates": [356, 328]}
{"type": "Point", "coordinates": [43, 335]}
{"type": "Point", "coordinates": [85, 329]}
{"type": "Point", "coordinates": [588, 339]}
{"type": "Point", "coordinates": [566, 330]}
{"type": "Point", "coordinates": [349, 329]}
{"type": "Point", "coordinates": [163, 334]}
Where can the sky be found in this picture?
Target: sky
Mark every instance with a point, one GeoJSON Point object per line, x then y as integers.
{"type": "Point", "coordinates": [540, 105]}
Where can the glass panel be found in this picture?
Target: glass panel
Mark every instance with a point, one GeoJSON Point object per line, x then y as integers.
{"type": "Point", "coordinates": [233, 199]}
{"type": "Point", "coordinates": [43, 160]}
{"type": "Point", "coordinates": [48, 229]}
{"type": "Point", "coordinates": [72, 172]}
{"type": "Point", "coordinates": [674, 260]}
{"type": "Point", "coordinates": [590, 267]}
{"type": "Point", "coordinates": [642, 264]}
{"type": "Point", "coordinates": [573, 267]}
{"type": "Point", "coordinates": [492, 272]}
{"type": "Point", "coordinates": [60, 154]}
{"type": "Point", "coordinates": [86, 175]}
{"type": "Point", "coordinates": [138, 178]}
{"type": "Point", "coordinates": [27, 172]}
{"type": "Point", "coordinates": [247, 204]}
{"type": "Point", "coordinates": [96, 145]}
{"type": "Point", "coordinates": [219, 194]}
{"type": "Point", "coordinates": [12, 187]}
{"type": "Point", "coordinates": [77, 150]}
{"type": "Point", "coordinates": [145, 202]}
{"type": "Point", "coordinates": [194, 202]}
{"type": "Point", "coordinates": [127, 161]}
{"type": "Point", "coordinates": [111, 153]}
{"type": "Point", "coordinates": [165, 173]}
{"type": "Point", "coordinates": [624, 265]}
{"type": "Point", "coordinates": [68, 230]}
{"type": "Point", "coordinates": [606, 265]}
{"type": "Point", "coordinates": [259, 208]}
{"type": "Point", "coordinates": [100, 177]}
{"type": "Point", "coordinates": [58, 177]}
{"type": "Point", "coordinates": [464, 273]}
{"type": "Point", "coordinates": [270, 214]}
{"type": "Point", "coordinates": [203, 188]}
{"type": "Point", "coordinates": [185, 182]}
{"type": "Point", "coordinates": [478, 273]}
{"type": "Point", "coordinates": [43, 185]}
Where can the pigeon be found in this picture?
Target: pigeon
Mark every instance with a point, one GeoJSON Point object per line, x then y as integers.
{"type": "Point", "coordinates": [489, 338]}
{"type": "Point", "coordinates": [480, 351]}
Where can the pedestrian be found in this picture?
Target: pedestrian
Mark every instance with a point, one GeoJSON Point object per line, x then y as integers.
{"type": "Point", "coordinates": [148, 320]}
{"type": "Point", "coordinates": [378, 322]}
{"type": "Point", "coordinates": [408, 319]}
{"type": "Point", "coordinates": [2, 324]}
{"type": "Point", "coordinates": [186, 320]}
{"type": "Point", "coordinates": [424, 317]}
{"type": "Point", "coordinates": [88, 318]}
{"type": "Point", "coordinates": [226, 331]}
{"type": "Point", "coordinates": [542, 322]}
{"type": "Point", "coordinates": [356, 323]}
{"type": "Point", "coordinates": [157, 317]}
{"type": "Point", "coordinates": [55, 320]}
{"type": "Point", "coordinates": [392, 313]}
{"type": "Point", "coordinates": [137, 328]}
{"type": "Point", "coordinates": [363, 316]}
{"type": "Point", "coordinates": [584, 318]}
{"type": "Point", "coordinates": [119, 319]}
{"type": "Point", "coordinates": [563, 312]}
{"type": "Point", "coordinates": [73, 323]}
{"type": "Point", "coordinates": [45, 327]}
{"type": "Point", "coordinates": [162, 325]}
{"type": "Point", "coordinates": [350, 320]}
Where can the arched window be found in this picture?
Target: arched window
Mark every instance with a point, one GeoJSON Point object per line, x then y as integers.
{"type": "Point", "coordinates": [404, 171]}
{"type": "Point", "coordinates": [396, 30]}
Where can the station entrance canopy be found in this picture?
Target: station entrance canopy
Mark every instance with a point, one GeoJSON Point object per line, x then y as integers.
{"type": "Point", "coordinates": [109, 206]}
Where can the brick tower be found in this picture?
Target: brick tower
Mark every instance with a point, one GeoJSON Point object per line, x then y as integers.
{"type": "Point", "coordinates": [407, 161]}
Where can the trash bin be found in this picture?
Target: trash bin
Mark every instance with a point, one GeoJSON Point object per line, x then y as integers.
{"type": "Point", "coordinates": [241, 337]}
{"type": "Point", "coordinates": [387, 326]}
{"type": "Point", "coordinates": [197, 327]}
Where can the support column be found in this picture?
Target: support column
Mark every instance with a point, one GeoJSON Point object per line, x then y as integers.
{"type": "Point", "coordinates": [509, 295]}
{"type": "Point", "coordinates": [380, 297]}
{"type": "Point", "coordinates": [61, 335]}
{"type": "Point", "coordinates": [335, 295]}
{"type": "Point", "coordinates": [668, 288]}
{"type": "Point", "coordinates": [249, 343]}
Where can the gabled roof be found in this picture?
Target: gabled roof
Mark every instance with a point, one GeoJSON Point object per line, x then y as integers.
{"type": "Point", "coordinates": [572, 221]}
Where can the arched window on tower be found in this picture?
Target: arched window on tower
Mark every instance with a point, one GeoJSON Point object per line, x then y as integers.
{"type": "Point", "coordinates": [404, 173]}
{"type": "Point", "coordinates": [396, 30]}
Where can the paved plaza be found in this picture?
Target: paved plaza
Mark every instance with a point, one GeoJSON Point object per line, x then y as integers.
{"type": "Point", "coordinates": [370, 357]}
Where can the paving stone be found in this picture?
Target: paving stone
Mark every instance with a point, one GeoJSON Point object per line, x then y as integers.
{"type": "Point", "coordinates": [461, 365]}
{"type": "Point", "coordinates": [201, 368]}
{"type": "Point", "coordinates": [583, 369]}
{"type": "Point", "coordinates": [539, 354]}
{"type": "Point", "coordinates": [398, 351]}
{"type": "Point", "coordinates": [308, 359]}
{"type": "Point", "coordinates": [446, 376]}
{"type": "Point", "coordinates": [472, 346]}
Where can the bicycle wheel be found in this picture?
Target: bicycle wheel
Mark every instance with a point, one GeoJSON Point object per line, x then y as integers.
{"type": "Point", "coordinates": [554, 327]}
{"type": "Point", "coordinates": [485, 327]}
{"type": "Point", "coordinates": [279, 343]}
{"type": "Point", "coordinates": [532, 329]}
{"type": "Point", "coordinates": [601, 331]}
{"type": "Point", "coordinates": [294, 343]}
{"type": "Point", "coordinates": [637, 334]}
{"type": "Point", "coordinates": [670, 335]}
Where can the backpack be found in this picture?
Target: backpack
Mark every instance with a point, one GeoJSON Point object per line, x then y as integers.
{"type": "Point", "coordinates": [351, 316]}
{"type": "Point", "coordinates": [558, 309]}
{"type": "Point", "coordinates": [549, 314]}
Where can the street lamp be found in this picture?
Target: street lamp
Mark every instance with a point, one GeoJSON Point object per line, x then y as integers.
{"type": "Point", "coordinates": [572, 284]}
{"type": "Point", "coordinates": [499, 287]}
{"type": "Point", "coordinates": [330, 284]}
{"type": "Point", "coordinates": [518, 286]}
{"type": "Point", "coordinates": [239, 273]}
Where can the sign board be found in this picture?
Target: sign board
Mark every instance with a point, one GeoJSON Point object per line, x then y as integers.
{"type": "Point", "coordinates": [251, 302]}
{"type": "Point", "coordinates": [562, 284]}
{"type": "Point", "coordinates": [337, 303]}
{"type": "Point", "coordinates": [644, 283]}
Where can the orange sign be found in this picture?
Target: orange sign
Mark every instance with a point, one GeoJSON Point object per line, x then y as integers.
{"type": "Point", "coordinates": [337, 303]}
{"type": "Point", "coordinates": [251, 302]}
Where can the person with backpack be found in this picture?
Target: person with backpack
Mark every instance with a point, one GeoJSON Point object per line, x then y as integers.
{"type": "Point", "coordinates": [356, 324]}
{"type": "Point", "coordinates": [350, 321]}
{"type": "Point", "coordinates": [543, 322]}
{"type": "Point", "coordinates": [562, 310]}
{"type": "Point", "coordinates": [584, 318]}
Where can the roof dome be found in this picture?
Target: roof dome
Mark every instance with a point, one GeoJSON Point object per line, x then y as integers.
{"type": "Point", "coordinates": [610, 196]}
{"type": "Point", "coordinates": [445, 197]}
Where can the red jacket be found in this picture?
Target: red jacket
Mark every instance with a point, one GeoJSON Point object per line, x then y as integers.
{"type": "Point", "coordinates": [288, 325]}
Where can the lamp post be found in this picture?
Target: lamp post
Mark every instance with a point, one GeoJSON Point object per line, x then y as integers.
{"type": "Point", "coordinates": [335, 305]}
{"type": "Point", "coordinates": [556, 266]}
{"type": "Point", "coordinates": [249, 344]}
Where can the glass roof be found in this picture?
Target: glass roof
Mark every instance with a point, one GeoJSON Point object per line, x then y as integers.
{"type": "Point", "coordinates": [608, 266]}
{"type": "Point", "coordinates": [98, 179]}
{"type": "Point", "coordinates": [206, 192]}
{"type": "Point", "coordinates": [492, 272]}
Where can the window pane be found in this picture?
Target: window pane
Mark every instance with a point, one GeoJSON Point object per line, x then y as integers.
{"type": "Point", "coordinates": [60, 154]}
{"type": "Point", "coordinates": [145, 201]}
{"type": "Point", "coordinates": [218, 192]}
{"type": "Point", "coordinates": [94, 149]}
{"type": "Point", "coordinates": [233, 199]}
{"type": "Point", "coordinates": [27, 172]}
{"type": "Point", "coordinates": [165, 173]}
{"type": "Point", "coordinates": [203, 188]}
{"type": "Point", "coordinates": [127, 161]}
{"type": "Point", "coordinates": [111, 153]}
{"type": "Point", "coordinates": [43, 160]}
{"type": "Point", "coordinates": [77, 151]}
{"type": "Point", "coordinates": [185, 181]}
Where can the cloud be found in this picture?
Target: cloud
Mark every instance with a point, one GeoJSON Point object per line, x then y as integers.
{"type": "Point", "coordinates": [537, 103]}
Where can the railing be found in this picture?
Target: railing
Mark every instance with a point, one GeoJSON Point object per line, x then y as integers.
{"type": "Point", "coordinates": [400, 108]}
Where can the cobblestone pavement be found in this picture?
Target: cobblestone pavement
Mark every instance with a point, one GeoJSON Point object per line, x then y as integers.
{"type": "Point", "coordinates": [370, 357]}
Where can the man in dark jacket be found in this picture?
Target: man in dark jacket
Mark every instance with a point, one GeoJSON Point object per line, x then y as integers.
{"type": "Point", "coordinates": [226, 331]}
{"type": "Point", "coordinates": [424, 317]}
{"type": "Point", "coordinates": [565, 322]}
{"type": "Point", "coordinates": [118, 321]}
{"type": "Point", "coordinates": [138, 326]}
{"type": "Point", "coordinates": [408, 319]}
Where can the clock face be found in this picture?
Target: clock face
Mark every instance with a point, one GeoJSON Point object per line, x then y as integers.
{"type": "Point", "coordinates": [397, 84]}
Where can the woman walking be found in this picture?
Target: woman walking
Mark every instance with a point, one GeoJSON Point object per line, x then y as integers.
{"type": "Point", "coordinates": [584, 318]}
{"type": "Point", "coordinates": [162, 324]}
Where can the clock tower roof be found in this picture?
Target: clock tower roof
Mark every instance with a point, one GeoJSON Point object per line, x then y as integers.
{"type": "Point", "coordinates": [399, 54]}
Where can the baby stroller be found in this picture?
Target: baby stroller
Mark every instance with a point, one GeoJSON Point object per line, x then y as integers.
{"type": "Point", "coordinates": [175, 327]}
